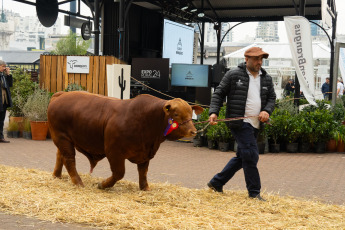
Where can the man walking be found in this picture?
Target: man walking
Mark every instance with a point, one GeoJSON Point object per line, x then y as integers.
{"type": "Point", "coordinates": [325, 89]}
{"type": "Point", "coordinates": [6, 82]}
{"type": "Point", "coordinates": [250, 94]}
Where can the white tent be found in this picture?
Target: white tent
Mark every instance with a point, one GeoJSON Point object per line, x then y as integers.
{"type": "Point", "coordinates": [278, 50]}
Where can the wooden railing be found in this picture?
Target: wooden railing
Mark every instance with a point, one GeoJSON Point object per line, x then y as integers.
{"type": "Point", "coordinates": [53, 75]}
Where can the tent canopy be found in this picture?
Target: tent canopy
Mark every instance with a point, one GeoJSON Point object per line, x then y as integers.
{"type": "Point", "coordinates": [282, 50]}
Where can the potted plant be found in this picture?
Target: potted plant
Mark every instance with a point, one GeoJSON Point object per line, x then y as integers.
{"type": "Point", "coordinates": [223, 136]}
{"type": "Point", "coordinates": [322, 122]}
{"type": "Point", "coordinates": [211, 135]}
{"type": "Point", "coordinates": [13, 129]}
{"type": "Point", "coordinates": [274, 131]}
{"type": "Point", "coordinates": [199, 139]}
{"type": "Point", "coordinates": [27, 129]}
{"type": "Point", "coordinates": [35, 109]}
{"type": "Point", "coordinates": [292, 132]}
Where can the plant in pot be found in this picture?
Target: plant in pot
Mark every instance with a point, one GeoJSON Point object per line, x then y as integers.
{"type": "Point", "coordinates": [306, 132]}
{"type": "Point", "coordinates": [199, 140]}
{"type": "Point", "coordinates": [223, 137]}
{"type": "Point", "coordinates": [21, 89]}
{"type": "Point", "coordinates": [211, 135]}
{"type": "Point", "coordinates": [322, 122]}
{"type": "Point", "coordinates": [13, 129]}
{"type": "Point", "coordinates": [27, 129]}
{"type": "Point", "coordinates": [292, 132]}
{"type": "Point", "coordinates": [274, 131]}
{"type": "Point", "coordinates": [340, 138]}
{"type": "Point", "coordinates": [35, 109]}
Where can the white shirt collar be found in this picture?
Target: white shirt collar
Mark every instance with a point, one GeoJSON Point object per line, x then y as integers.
{"type": "Point", "coordinates": [249, 73]}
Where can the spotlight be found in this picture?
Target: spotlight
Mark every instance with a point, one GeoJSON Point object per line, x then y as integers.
{"type": "Point", "coordinates": [184, 8]}
{"type": "Point", "coordinates": [200, 15]}
{"type": "Point", "coordinates": [193, 10]}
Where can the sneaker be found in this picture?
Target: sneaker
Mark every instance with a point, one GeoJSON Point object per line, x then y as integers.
{"type": "Point", "coordinates": [214, 188]}
{"type": "Point", "coordinates": [258, 197]}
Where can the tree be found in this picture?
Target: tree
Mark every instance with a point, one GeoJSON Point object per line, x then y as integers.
{"type": "Point", "coordinates": [71, 45]}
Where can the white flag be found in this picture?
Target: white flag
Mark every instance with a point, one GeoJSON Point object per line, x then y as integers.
{"type": "Point", "coordinates": [298, 32]}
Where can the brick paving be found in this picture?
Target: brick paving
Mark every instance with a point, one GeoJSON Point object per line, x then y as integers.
{"type": "Point", "coordinates": [307, 175]}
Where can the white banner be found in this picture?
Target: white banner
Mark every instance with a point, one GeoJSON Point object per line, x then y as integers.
{"type": "Point", "coordinates": [78, 64]}
{"type": "Point", "coordinates": [298, 32]}
{"type": "Point", "coordinates": [342, 62]}
{"type": "Point", "coordinates": [119, 76]}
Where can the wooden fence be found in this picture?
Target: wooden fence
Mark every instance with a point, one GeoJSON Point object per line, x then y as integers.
{"type": "Point", "coordinates": [53, 75]}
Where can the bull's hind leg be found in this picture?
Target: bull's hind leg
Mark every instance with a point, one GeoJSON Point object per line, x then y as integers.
{"type": "Point", "coordinates": [58, 165]}
{"type": "Point", "coordinates": [142, 170]}
{"type": "Point", "coordinates": [66, 155]}
{"type": "Point", "coordinates": [117, 166]}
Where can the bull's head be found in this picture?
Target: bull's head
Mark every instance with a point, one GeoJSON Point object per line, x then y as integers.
{"type": "Point", "coordinates": [180, 113]}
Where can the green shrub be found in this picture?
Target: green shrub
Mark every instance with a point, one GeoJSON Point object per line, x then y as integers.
{"type": "Point", "coordinates": [23, 86]}
{"type": "Point", "coordinates": [13, 126]}
{"type": "Point", "coordinates": [35, 109]}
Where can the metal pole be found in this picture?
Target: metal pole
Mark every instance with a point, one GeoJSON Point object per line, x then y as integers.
{"type": "Point", "coordinates": [297, 86]}
{"type": "Point", "coordinates": [219, 33]}
{"type": "Point", "coordinates": [202, 43]}
{"type": "Point", "coordinates": [335, 71]}
{"type": "Point", "coordinates": [96, 30]}
{"type": "Point", "coordinates": [72, 7]}
{"type": "Point", "coordinates": [332, 76]}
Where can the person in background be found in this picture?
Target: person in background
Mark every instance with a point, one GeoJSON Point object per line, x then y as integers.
{"type": "Point", "coordinates": [290, 88]}
{"type": "Point", "coordinates": [325, 89]}
{"type": "Point", "coordinates": [340, 88]}
{"type": "Point", "coordinates": [250, 94]}
{"type": "Point", "coordinates": [6, 82]}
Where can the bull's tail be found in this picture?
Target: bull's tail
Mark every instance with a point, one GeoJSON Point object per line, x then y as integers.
{"type": "Point", "coordinates": [55, 95]}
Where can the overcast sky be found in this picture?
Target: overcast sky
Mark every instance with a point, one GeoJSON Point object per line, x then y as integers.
{"type": "Point", "coordinates": [239, 32]}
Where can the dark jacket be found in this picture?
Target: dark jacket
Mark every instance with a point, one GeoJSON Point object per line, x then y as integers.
{"type": "Point", "coordinates": [325, 88]}
{"type": "Point", "coordinates": [235, 85]}
{"type": "Point", "coordinates": [9, 83]}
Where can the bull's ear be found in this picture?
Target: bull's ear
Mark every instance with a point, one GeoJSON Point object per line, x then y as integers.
{"type": "Point", "coordinates": [197, 109]}
{"type": "Point", "coordinates": [166, 108]}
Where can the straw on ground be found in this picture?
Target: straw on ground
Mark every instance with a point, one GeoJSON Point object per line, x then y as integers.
{"type": "Point", "coordinates": [37, 194]}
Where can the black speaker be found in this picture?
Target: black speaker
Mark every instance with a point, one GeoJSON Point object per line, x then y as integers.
{"type": "Point", "coordinates": [47, 11]}
{"type": "Point", "coordinates": [218, 71]}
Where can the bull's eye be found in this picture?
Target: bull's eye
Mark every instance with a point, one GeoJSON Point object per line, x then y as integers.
{"type": "Point", "coordinates": [175, 115]}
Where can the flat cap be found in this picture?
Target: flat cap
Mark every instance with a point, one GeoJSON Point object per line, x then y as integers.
{"type": "Point", "coordinates": [255, 52]}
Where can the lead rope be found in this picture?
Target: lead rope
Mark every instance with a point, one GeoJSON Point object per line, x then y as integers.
{"type": "Point", "coordinates": [224, 120]}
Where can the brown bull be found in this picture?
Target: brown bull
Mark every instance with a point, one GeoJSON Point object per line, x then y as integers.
{"type": "Point", "coordinates": [99, 127]}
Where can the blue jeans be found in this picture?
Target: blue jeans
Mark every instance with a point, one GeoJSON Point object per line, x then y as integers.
{"type": "Point", "coordinates": [247, 157]}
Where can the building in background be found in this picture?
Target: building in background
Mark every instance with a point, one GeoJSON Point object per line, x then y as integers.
{"type": "Point", "coordinates": [24, 33]}
{"type": "Point", "coordinates": [267, 32]}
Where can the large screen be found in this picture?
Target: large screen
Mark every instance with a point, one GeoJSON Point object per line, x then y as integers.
{"type": "Point", "coordinates": [178, 42]}
{"type": "Point", "coordinates": [192, 75]}
{"type": "Point", "coordinates": [155, 71]}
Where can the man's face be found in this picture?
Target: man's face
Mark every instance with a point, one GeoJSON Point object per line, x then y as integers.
{"type": "Point", "coordinates": [327, 81]}
{"type": "Point", "coordinates": [254, 63]}
{"type": "Point", "coordinates": [2, 68]}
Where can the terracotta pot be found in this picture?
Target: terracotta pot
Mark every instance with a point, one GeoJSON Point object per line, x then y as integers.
{"type": "Point", "coordinates": [331, 145]}
{"type": "Point", "coordinates": [39, 130]}
{"type": "Point", "coordinates": [20, 122]}
{"type": "Point", "coordinates": [341, 146]}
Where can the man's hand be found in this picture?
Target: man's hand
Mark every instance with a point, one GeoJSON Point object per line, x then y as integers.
{"type": "Point", "coordinates": [263, 116]}
{"type": "Point", "coordinates": [212, 119]}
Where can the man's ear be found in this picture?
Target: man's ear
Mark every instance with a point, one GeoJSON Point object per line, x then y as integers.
{"type": "Point", "coordinates": [198, 110]}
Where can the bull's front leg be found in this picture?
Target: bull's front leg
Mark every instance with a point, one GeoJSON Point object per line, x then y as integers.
{"type": "Point", "coordinates": [117, 165]}
{"type": "Point", "coordinates": [142, 170]}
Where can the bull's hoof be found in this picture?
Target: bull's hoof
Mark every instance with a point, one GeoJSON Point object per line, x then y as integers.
{"type": "Point", "coordinates": [57, 176]}
{"type": "Point", "coordinates": [100, 186]}
{"type": "Point", "coordinates": [147, 188]}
